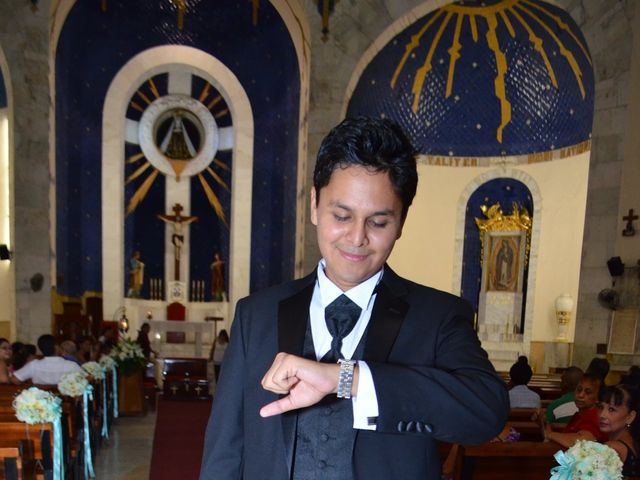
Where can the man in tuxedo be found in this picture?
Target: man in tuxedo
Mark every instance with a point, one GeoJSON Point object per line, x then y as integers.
{"type": "Point", "coordinates": [352, 373]}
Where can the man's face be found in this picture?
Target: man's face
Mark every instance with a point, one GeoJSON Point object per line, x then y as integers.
{"type": "Point", "coordinates": [358, 220]}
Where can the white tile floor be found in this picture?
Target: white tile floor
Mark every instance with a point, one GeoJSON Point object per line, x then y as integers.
{"type": "Point", "coordinates": [126, 455]}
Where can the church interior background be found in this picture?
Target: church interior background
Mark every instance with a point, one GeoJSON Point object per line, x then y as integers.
{"type": "Point", "coordinates": [161, 151]}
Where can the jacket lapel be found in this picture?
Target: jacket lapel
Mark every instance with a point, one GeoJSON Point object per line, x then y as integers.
{"type": "Point", "coordinates": [293, 315]}
{"type": "Point", "coordinates": [388, 313]}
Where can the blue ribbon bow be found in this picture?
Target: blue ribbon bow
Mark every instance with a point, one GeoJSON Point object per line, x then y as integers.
{"type": "Point", "coordinates": [565, 469]}
{"type": "Point", "coordinates": [114, 377]}
{"type": "Point", "coordinates": [88, 460]}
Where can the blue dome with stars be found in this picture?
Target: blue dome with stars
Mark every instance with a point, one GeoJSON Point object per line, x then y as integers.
{"type": "Point", "coordinates": [501, 77]}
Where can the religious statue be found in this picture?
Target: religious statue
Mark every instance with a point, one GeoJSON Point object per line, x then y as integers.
{"type": "Point", "coordinates": [503, 267]}
{"type": "Point", "coordinates": [177, 239]}
{"type": "Point", "coordinates": [136, 275]}
{"type": "Point", "coordinates": [217, 278]}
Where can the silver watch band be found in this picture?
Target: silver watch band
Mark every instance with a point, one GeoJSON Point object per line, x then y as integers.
{"type": "Point", "coordinates": [345, 380]}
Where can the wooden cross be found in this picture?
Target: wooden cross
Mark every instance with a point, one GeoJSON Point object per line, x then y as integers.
{"type": "Point", "coordinates": [629, 230]}
{"type": "Point", "coordinates": [198, 389]}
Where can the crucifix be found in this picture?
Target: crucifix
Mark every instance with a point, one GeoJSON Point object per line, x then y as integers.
{"type": "Point", "coordinates": [177, 239]}
{"type": "Point", "coordinates": [629, 231]}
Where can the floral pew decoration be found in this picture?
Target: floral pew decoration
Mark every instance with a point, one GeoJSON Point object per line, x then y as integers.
{"type": "Point", "coordinates": [97, 372]}
{"type": "Point", "coordinates": [34, 406]}
{"type": "Point", "coordinates": [75, 385]}
{"type": "Point", "coordinates": [109, 364]}
{"type": "Point", "coordinates": [587, 460]}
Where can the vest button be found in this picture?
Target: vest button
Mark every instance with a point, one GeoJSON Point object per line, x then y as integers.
{"type": "Point", "coordinates": [322, 464]}
{"type": "Point", "coordinates": [324, 437]}
{"type": "Point", "coordinates": [328, 411]}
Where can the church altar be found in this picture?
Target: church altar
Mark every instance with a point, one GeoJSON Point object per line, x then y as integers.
{"type": "Point", "coordinates": [197, 328]}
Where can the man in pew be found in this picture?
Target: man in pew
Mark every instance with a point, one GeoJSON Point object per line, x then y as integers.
{"type": "Point", "coordinates": [520, 396]}
{"type": "Point", "coordinates": [562, 409]}
{"type": "Point", "coordinates": [48, 370]}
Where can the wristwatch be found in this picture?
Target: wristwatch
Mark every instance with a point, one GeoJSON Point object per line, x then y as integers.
{"type": "Point", "coordinates": [345, 380]}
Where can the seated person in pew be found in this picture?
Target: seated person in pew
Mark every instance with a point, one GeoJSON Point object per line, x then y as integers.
{"type": "Point", "coordinates": [69, 351]}
{"type": "Point", "coordinates": [47, 370]}
{"type": "Point", "coordinates": [562, 409]}
{"type": "Point", "coordinates": [619, 420]}
{"type": "Point", "coordinates": [520, 396]}
{"type": "Point", "coordinates": [5, 360]}
{"type": "Point", "coordinates": [585, 423]}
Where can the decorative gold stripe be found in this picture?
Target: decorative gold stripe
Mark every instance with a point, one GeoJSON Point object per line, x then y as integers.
{"type": "Point", "coordinates": [221, 113]}
{"type": "Point", "coordinates": [507, 23]}
{"type": "Point", "coordinates": [141, 192]}
{"type": "Point", "coordinates": [501, 64]}
{"type": "Point", "coordinates": [563, 26]}
{"type": "Point", "coordinates": [134, 158]}
{"type": "Point", "coordinates": [411, 46]}
{"type": "Point", "coordinates": [213, 199]}
{"type": "Point", "coordinates": [205, 92]}
{"type": "Point", "coordinates": [222, 165]}
{"type": "Point", "coordinates": [214, 102]}
{"type": "Point", "coordinates": [135, 106]}
{"type": "Point", "coordinates": [153, 87]}
{"type": "Point", "coordinates": [474, 28]}
{"type": "Point", "coordinates": [454, 54]}
{"type": "Point", "coordinates": [139, 171]}
{"type": "Point", "coordinates": [563, 51]}
{"type": "Point", "coordinates": [422, 72]}
{"type": "Point", "coordinates": [144, 97]}
{"type": "Point", "coordinates": [537, 44]}
{"type": "Point", "coordinates": [218, 179]}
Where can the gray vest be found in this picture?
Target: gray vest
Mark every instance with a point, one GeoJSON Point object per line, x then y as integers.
{"type": "Point", "coordinates": [324, 433]}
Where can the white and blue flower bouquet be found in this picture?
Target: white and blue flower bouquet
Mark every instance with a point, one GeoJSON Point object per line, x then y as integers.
{"type": "Point", "coordinates": [73, 384]}
{"type": "Point", "coordinates": [94, 369]}
{"type": "Point", "coordinates": [587, 460]}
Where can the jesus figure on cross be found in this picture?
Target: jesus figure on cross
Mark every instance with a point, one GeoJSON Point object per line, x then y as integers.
{"type": "Point", "coordinates": [177, 239]}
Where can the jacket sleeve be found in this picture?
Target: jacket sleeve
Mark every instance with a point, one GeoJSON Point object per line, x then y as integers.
{"type": "Point", "coordinates": [224, 439]}
{"type": "Point", "coordinates": [453, 394]}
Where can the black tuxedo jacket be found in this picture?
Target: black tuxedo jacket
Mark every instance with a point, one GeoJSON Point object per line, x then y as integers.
{"type": "Point", "coordinates": [433, 382]}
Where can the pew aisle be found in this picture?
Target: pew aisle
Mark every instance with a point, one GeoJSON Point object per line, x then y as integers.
{"type": "Point", "coordinates": [126, 455]}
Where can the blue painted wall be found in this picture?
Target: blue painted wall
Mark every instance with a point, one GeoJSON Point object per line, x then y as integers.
{"type": "Point", "coordinates": [3, 92]}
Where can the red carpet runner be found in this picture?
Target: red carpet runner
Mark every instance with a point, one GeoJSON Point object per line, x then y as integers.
{"type": "Point", "coordinates": [178, 439]}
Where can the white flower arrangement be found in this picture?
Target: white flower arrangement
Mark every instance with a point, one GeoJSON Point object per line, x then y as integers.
{"type": "Point", "coordinates": [587, 460]}
{"type": "Point", "coordinates": [107, 362]}
{"type": "Point", "coordinates": [128, 356]}
{"type": "Point", "coordinates": [37, 406]}
{"type": "Point", "coordinates": [73, 384]}
{"type": "Point", "coordinates": [94, 369]}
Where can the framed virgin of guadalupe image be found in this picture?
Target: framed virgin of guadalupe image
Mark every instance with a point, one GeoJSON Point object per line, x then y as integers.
{"type": "Point", "coordinates": [504, 258]}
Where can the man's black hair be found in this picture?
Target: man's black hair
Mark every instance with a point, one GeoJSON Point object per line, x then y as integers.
{"type": "Point", "coordinates": [377, 144]}
{"type": "Point", "coordinates": [47, 345]}
{"type": "Point", "coordinates": [520, 372]}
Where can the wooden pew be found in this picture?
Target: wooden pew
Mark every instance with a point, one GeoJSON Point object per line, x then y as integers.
{"type": "Point", "coordinates": [10, 463]}
{"type": "Point", "coordinates": [506, 461]}
{"type": "Point", "coordinates": [34, 441]}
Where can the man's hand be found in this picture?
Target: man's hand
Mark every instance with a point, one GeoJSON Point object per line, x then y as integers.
{"type": "Point", "coordinates": [305, 382]}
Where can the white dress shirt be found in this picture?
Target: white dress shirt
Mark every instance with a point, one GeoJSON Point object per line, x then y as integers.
{"type": "Point", "coordinates": [365, 403]}
{"type": "Point", "coordinates": [46, 371]}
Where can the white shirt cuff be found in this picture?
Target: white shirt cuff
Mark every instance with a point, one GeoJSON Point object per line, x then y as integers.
{"type": "Point", "coordinates": [365, 403]}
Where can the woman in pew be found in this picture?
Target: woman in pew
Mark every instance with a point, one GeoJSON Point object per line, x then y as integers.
{"type": "Point", "coordinates": [585, 423]}
{"type": "Point", "coordinates": [619, 420]}
{"type": "Point", "coordinates": [5, 360]}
